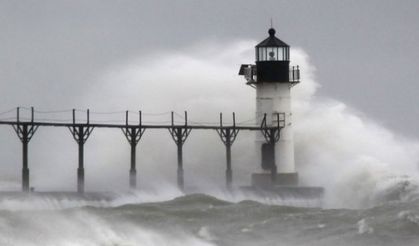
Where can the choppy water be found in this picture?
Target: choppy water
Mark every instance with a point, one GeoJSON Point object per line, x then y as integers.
{"type": "Point", "coordinates": [200, 219]}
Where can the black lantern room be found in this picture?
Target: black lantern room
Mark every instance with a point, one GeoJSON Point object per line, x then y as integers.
{"type": "Point", "coordinates": [272, 62]}
{"type": "Point", "coordinates": [272, 59]}
{"type": "Point", "coordinates": [272, 49]}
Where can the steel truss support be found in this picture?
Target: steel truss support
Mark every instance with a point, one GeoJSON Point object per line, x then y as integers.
{"type": "Point", "coordinates": [133, 135]}
{"type": "Point", "coordinates": [228, 136]}
{"type": "Point", "coordinates": [80, 132]}
{"type": "Point", "coordinates": [179, 135]}
{"type": "Point", "coordinates": [25, 132]}
{"type": "Point", "coordinates": [272, 134]}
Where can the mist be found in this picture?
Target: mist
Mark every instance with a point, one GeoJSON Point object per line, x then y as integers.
{"type": "Point", "coordinates": [355, 158]}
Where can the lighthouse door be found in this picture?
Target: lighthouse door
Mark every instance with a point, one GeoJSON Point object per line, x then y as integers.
{"type": "Point", "coordinates": [268, 156]}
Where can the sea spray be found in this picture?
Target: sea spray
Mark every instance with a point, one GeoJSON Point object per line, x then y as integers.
{"type": "Point", "coordinates": [357, 160]}
{"type": "Point", "coordinates": [82, 228]}
{"type": "Point", "coordinates": [337, 147]}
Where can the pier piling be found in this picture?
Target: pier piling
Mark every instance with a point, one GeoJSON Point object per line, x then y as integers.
{"type": "Point", "coordinates": [133, 135]}
{"type": "Point", "coordinates": [228, 136]}
{"type": "Point", "coordinates": [25, 132]}
{"type": "Point", "coordinates": [179, 135]}
{"type": "Point", "coordinates": [80, 132]}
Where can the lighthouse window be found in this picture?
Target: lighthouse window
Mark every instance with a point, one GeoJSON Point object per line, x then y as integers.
{"type": "Point", "coordinates": [287, 54]}
{"type": "Point", "coordinates": [273, 53]}
{"type": "Point", "coordinates": [265, 54]}
{"type": "Point", "coordinates": [281, 54]}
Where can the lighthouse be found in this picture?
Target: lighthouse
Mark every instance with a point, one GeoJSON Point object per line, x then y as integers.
{"type": "Point", "coordinates": [273, 79]}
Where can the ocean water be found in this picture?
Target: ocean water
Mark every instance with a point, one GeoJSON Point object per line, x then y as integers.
{"type": "Point", "coordinates": [199, 219]}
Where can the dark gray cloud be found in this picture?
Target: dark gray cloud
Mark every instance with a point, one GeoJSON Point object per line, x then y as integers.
{"type": "Point", "coordinates": [365, 52]}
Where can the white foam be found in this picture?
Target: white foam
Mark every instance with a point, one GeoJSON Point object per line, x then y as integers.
{"type": "Point", "coordinates": [364, 228]}
{"type": "Point", "coordinates": [84, 229]}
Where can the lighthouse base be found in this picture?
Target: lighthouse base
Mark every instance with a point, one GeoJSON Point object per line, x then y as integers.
{"type": "Point", "coordinates": [264, 180]}
{"type": "Point", "coordinates": [310, 194]}
{"type": "Point", "coordinates": [284, 186]}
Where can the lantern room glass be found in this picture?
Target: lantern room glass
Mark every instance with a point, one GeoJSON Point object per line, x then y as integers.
{"type": "Point", "coordinates": [272, 54]}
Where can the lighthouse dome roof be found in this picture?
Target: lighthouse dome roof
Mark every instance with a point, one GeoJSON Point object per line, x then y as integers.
{"type": "Point", "coordinates": [272, 41]}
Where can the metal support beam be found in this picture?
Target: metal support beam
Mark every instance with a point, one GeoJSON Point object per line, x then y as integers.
{"type": "Point", "coordinates": [272, 135]}
{"type": "Point", "coordinates": [25, 132]}
{"type": "Point", "coordinates": [80, 168]}
{"type": "Point", "coordinates": [179, 135]}
{"type": "Point", "coordinates": [133, 135]}
{"type": "Point", "coordinates": [81, 133]}
{"type": "Point", "coordinates": [228, 136]}
{"type": "Point", "coordinates": [25, 167]}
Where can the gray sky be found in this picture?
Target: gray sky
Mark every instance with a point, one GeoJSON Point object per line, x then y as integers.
{"type": "Point", "coordinates": [366, 52]}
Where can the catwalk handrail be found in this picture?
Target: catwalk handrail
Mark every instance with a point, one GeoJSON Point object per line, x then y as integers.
{"type": "Point", "coordinates": [194, 125]}
{"type": "Point", "coordinates": [149, 126]}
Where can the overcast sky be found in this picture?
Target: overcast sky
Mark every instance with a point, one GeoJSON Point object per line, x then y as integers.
{"type": "Point", "coordinates": [366, 52]}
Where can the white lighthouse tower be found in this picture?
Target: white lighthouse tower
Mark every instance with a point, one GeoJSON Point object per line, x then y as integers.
{"type": "Point", "coordinates": [273, 78]}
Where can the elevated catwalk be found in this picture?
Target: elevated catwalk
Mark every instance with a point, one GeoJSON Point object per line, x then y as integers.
{"type": "Point", "coordinates": [80, 131]}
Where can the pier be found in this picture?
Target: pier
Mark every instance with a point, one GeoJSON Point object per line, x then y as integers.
{"type": "Point", "coordinates": [26, 128]}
